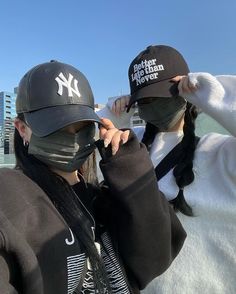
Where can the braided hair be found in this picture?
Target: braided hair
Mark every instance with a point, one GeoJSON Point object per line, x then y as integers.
{"type": "Point", "coordinates": [183, 171]}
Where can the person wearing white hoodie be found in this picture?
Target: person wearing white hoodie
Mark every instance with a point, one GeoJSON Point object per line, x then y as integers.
{"type": "Point", "coordinates": [199, 174]}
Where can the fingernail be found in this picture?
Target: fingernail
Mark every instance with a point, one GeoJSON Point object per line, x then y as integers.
{"type": "Point", "coordinates": [114, 150]}
{"type": "Point", "coordinates": [106, 143]}
{"type": "Point", "coordinates": [124, 141]}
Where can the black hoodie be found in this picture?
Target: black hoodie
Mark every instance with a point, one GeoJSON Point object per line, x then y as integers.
{"type": "Point", "coordinates": [39, 253]}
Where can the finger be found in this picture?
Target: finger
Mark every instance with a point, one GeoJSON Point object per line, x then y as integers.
{"type": "Point", "coordinates": [119, 138]}
{"type": "Point", "coordinates": [102, 132]}
{"type": "Point", "coordinates": [107, 123]}
{"type": "Point", "coordinates": [184, 84]}
{"type": "Point", "coordinates": [177, 78]}
{"type": "Point", "coordinates": [125, 136]}
{"type": "Point", "coordinates": [118, 106]}
{"type": "Point", "coordinates": [123, 104]}
{"type": "Point", "coordinates": [108, 135]}
{"type": "Point", "coordinates": [180, 86]}
{"type": "Point", "coordinates": [113, 109]}
{"type": "Point", "coordinates": [127, 98]}
{"type": "Point", "coordinates": [116, 141]}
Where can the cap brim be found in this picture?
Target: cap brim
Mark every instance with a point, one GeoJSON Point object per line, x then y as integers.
{"type": "Point", "coordinates": [166, 88]}
{"type": "Point", "coordinates": [46, 121]}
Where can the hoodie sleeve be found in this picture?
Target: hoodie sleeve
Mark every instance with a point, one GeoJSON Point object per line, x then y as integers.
{"type": "Point", "coordinates": [5, 285]}
{"type": "Point", "coordinates": [148, 233]}
{"type": "Point", "coordinates": [216, 96]}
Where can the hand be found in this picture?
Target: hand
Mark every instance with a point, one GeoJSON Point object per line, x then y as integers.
{"type": "Point", "coordinates": [120, 105]}
{"type": "Point", "coordinates": [111, 135]}
{"type": "Point", "coordinates": [185, 86]}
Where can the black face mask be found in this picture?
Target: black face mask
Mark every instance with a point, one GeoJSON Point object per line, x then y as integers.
{"type": "Point", "coordinates": [62, 150]}
{"type": "Point", "coordinates": [163, 113]}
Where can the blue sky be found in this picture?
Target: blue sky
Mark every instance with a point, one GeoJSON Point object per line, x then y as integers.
{"type": "Point", "coordinates": [102, 37]}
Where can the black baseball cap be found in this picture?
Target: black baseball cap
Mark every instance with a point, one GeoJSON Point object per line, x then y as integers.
{"type": "Point", "coordinates": [150, 73]}
{"type": "Point", "coordinates": [53, 95]}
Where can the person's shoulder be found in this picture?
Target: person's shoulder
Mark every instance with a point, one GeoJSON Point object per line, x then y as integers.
{"type": "Point", "coordinates": [10, 173]}
{"type": "Point", "coordinates": [213, 141]}
{"type": "Point", "coordinates": [226, 78]}
{"type": "Point", "coordinates": [19, 193]}
{"type": "Point", "coordinates": [13, 180]}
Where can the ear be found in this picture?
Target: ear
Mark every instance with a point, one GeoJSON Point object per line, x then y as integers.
{"type": "Point", "coordinates": [23, 129]}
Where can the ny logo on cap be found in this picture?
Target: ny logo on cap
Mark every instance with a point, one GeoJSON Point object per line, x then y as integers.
{"type": "Point", "coordinates": [63, 82]}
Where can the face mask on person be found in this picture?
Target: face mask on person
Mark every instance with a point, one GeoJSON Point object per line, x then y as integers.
{"type": "Point", "coordinates": [164, 113]}
{"type": "Point", "coordinates": [63, 150]}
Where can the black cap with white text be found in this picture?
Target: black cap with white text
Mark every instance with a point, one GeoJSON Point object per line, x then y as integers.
{"type": "Point", "coordinates": [150, 73]}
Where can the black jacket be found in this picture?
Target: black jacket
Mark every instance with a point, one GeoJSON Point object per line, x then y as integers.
{"type": "Point", "coordinates": [39, 253]}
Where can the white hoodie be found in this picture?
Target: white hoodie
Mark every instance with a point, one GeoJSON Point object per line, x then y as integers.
{"type": "Point", "coordinates": [207, 262]}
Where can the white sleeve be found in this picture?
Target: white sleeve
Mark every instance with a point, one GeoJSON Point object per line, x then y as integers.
{"type": "Point", "coordinates": [216, 96]}
{"type": "Point", "coordinates": [121, 122]}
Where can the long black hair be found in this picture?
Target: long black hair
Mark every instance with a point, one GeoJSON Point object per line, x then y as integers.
{"type": "Point", "coordinates": [183, 171]}
{"type": "Point", "coordinates": [66, 201]}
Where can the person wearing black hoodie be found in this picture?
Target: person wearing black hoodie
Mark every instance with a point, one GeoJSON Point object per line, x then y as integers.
{"type": "Point", "coordinates": [60, 234]}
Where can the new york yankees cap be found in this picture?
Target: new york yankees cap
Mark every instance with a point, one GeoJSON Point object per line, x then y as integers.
{"type": "Point", "coordinates": [151, 71]}
{"type": "Point", "coordinates": [53, 95]}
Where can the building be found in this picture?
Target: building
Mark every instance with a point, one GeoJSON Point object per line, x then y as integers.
{"type": "Point", "coordinates": [136, 120]}
{"type": "Point", "coordinates": [7, 115]}
{"type": "Point", "coordinates": [98, 106]}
